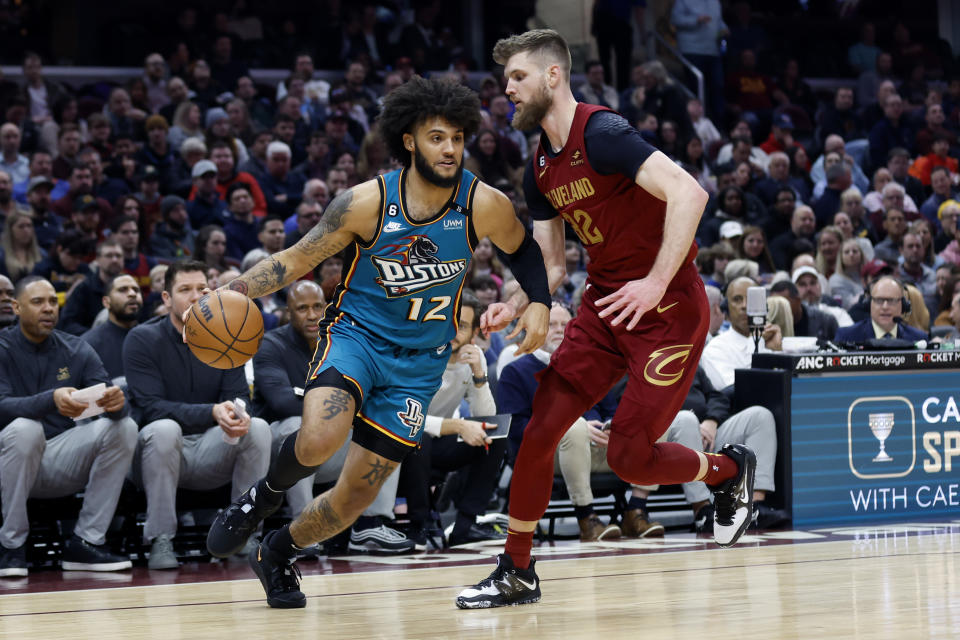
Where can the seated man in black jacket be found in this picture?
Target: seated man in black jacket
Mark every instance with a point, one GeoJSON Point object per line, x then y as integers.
{"type": "Point", "coordinates": [86, 300]}
{"type": "Point", "coordinates": [279, 372]}
{"type": "Point", "coordinates": [705, 424]}
{"type": "Point", "coordinates": [44, 452]}
{"type": "Point", "coordinates": [806, 321]}
{"type": "Point", "coordinates": [122, 300]}
{"type": "Point", "coordinates": [187, 413]}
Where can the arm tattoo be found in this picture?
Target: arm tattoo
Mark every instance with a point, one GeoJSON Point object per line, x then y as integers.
{"type": "Point", "coordinates": [379, 472]}
{"type": "Point", "coordinates": [274, 273]}
{"type": "Point", "coordinates": [318, 522]}
{"type": "Point", "coordinates": [265, 277]}
{"type": "Point", "coordinates": [316, 242]}
{"type": "Point", "coordinates": [337, 403]}
{"type": "Point", "coordinates": [238, 285]}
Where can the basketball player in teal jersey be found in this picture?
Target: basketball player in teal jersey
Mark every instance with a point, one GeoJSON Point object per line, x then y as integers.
{"type": "Point", "coordinates": [384, 338]}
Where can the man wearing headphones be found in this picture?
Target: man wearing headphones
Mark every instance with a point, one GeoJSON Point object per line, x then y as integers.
{"type": "Point", "coordinates": [888, 304]}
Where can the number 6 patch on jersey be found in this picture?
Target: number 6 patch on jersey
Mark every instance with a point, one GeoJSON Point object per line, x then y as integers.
{"type": "Point", "coordinates": [412, 417]}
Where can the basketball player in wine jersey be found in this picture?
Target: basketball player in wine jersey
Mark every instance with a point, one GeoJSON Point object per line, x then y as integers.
{"type": "Point", "coordinates": [644, 311]}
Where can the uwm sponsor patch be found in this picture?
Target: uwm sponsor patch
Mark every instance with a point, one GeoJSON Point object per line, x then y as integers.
{"type": "Point", "coordinates": [399, 279]}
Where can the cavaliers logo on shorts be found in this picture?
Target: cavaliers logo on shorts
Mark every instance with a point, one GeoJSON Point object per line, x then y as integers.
{"type": "Point", "coordinates": [665, 365]}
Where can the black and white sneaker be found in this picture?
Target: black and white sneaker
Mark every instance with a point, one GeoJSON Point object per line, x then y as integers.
{"type": "Point", "coordinates": [507, 585]}
{"type": "Point", "coordinates": [380, 539]}
{"type": "Point", "coordinates": [278, 575]}
{"type": "Point", "coordinates": [80, 555]}
{"type": "Point", "coordinates": [13, 562]}
{"type": "Point", "coordinates": [234, 525]}
{"type": "Point", "coordinates": [733, 500]}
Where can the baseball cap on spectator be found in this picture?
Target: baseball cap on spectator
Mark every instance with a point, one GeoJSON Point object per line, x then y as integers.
{"type": "Point", "coordinates": [38, 181]}
{"type": "Point", "coordinates": [84, 202]}
{"type": "Point", "coordinates": [149, 174]}
{"type": "Point", "coordinates": [731, 229]}
{"type": "Point", "coordinates": [215, 114]}
{"type": "Point", "coordinates": [875, 267]}
{"type": "Point", "coordinates": [338, 115]}
{"type": "Point", "coordinates": [802, 271]}
{"type": "Point", "coordinates": [783, 121]}
{"type": "Point", "coordinates": [339, 95]}
{"type": "Point", "coordinates": [943, 207]}
{"type": "Point", "coordinates": [169, 203]}
{"type": "Point", "coordinates": [203, 167]}
{"type": "Point", "coordinates": [156, 121]}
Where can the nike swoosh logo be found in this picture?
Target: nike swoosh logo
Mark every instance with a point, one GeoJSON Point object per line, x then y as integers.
{"type": "Point", "coordinates": [661, 309]}
{"type": "Point", "coordinates": [258, 554]}
{"type": "Point", "coordinates": [542, 172]}
{"type": "Point", "coordinates": [530, 585]}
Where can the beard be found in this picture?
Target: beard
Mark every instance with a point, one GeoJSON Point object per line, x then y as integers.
{"type": "Point", "coordinates": [123, 315]}
{"type": "Point", "coordinates": [530, 113]}
{"type": "Point", "coordinates": [432, 176]}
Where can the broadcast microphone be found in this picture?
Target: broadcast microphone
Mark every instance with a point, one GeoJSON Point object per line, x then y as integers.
{"type": "Point", "coordinates": [756, 313]}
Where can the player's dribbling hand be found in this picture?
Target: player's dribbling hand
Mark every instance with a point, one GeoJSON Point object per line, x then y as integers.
{"type": "Point", "coordinates": [536, 322]}
{"type": "Point", "coordinates": [226, 416]}
{"type": "Point", "coordinates": [632, 300]}
{"type": "Point", "coordinates": [186, 314]}
{"type": "Point", "coordinates": [497, 316]}
{"type": "Point", "coordinates": [112, 399]}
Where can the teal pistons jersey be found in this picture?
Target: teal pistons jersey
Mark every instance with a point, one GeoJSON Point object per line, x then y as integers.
{"type": "Point", "coordinates": [404, 287]}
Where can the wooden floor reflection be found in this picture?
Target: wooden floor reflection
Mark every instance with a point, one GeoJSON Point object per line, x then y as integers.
{"type": "Point", "coordinates": [893, 582]}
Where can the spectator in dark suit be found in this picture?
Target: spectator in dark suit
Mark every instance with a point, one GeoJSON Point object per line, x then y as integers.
{"type": "Point", "coordinates": [187, 410]}
{"type": "Point", "coordinates": [806, 321]}
{"type": "Point", "coordinates": [86, 301]}
{"type": "Point", "coordinates": [890, 132]}
{"type": "Point", "coordinates": [44, 453]}
{"type": "Point", "coordinates": [240, 227]}
{"type": "Point", "coordinates": [887, 296]}
{"type": "Point", "coordinates": [123, 300]}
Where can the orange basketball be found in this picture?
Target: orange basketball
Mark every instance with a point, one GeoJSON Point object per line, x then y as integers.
{"type": "Point", "coordinates": [224, 329]}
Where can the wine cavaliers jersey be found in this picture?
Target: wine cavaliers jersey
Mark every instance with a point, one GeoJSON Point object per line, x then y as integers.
{"type": "Point", "coordinates": [619, 223]}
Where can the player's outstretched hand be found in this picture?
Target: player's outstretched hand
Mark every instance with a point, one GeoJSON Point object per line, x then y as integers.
{"type": "Point", "coordinates": [632, 300]}
{"type": "Point", "coordinates": [497, 317]}
{"type": "Point", "coordinates": [536, 322]}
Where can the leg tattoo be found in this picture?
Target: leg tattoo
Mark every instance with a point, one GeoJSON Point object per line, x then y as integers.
{"type": "Point", "coordinates": [379, 472]}
{"type": "Point", "coordinates": [318, 522]}
{"type": "Point", "coordinates": [337, 403]}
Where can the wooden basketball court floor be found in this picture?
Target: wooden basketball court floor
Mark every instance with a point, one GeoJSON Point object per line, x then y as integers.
{"type": "Point", "coordinates": [895, 581]}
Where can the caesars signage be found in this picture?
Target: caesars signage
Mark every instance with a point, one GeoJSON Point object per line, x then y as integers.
{"type": "Point", "coordinates": [875, 447]}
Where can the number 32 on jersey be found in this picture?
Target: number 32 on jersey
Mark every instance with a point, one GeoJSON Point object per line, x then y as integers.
{"type": "Point", "coordinates": [584, 227]}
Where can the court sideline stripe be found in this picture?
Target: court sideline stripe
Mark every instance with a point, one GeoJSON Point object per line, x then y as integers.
{"type": "Point", "coordinates": [414, 589]}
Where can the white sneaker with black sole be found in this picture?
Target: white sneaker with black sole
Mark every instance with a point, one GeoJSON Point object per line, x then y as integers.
{"type": "Point", "coordinates": [380, 539]}
{"type": "Point", "coordinates": [733, 500]}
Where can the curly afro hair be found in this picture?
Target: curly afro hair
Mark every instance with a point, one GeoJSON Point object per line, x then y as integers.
{"type": "Point", "coordinates": [420, 99]}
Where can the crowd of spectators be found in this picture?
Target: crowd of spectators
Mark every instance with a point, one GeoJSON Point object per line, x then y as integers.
{"type": "Point", "coordinates": [117, 212]}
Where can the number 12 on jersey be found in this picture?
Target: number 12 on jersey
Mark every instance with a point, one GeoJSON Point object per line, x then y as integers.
{"type": "Point", "coordinates": [433, 313]}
